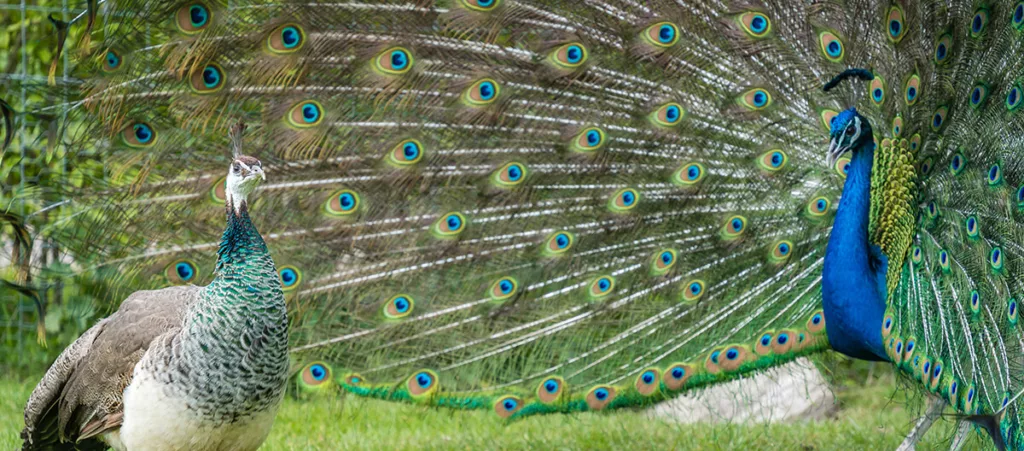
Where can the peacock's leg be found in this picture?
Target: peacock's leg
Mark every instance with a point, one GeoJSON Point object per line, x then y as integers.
{"type": "Point", "coordinates": [935, 407]}
{"type": "Point", "coordinates": [963, 430]}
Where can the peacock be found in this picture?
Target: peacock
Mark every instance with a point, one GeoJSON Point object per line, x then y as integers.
{"type": "Point", "coordinates": [538, 206]}
{"type": "Point", "coordinates": [158, 373]}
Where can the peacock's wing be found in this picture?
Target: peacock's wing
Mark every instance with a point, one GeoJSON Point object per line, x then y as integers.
{"type": "Point", "coordinates": [952, 318]}
{"type": "Point", "coordinates": [525, 206]}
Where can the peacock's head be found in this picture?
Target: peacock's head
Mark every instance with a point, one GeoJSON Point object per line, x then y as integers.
{"type": "Point", "coordinates": [849, 130]}
{"type": "Point", "coordinates": [245, 173]}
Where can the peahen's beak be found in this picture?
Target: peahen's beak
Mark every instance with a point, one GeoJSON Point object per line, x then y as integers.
{"type": "Point", "coordinates": [259, 170]}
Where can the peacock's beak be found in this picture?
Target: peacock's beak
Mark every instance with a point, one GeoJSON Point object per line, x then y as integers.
{"type": "Point", "coordinates": [834, 151]}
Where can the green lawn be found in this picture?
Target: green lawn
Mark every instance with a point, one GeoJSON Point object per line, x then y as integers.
{"type": "Point", "coordinates": [867, 419]}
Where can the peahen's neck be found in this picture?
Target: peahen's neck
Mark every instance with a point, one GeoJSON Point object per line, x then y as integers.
{"type": "Point", "coordinates": [854, 301]}
{"type": "Point", "coordinates": [238, 332]}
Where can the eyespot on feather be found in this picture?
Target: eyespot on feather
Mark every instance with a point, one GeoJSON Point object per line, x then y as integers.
{"type": "Point", "coordinates": [773, 160]}
{"type": "Point", "coordinates": [209, 80]}
{"type": "Point", "coordinates": [897, 126]}
{"type": "Point", "coordinates": [449, 225]}
{"type": "Point", "coordinates": [677, 374]}
{"type": "Point", "coordinates": [406, 153]}
{"type": "Point", "coordinates": [181, 272]}
{"type": "Point", "coordinates": [314, 376]}
{"type": "Point", "coordinates": [842, 167]}
{"type": "Point", "coordinates": [663, 261]}
{"type": "Point", "coordinates": [979, 22]}
{"type": "Point", "coordinates": [558, 243]}
{"type": "Point", "coordinates": [503, 289]}
{"type": "Point", "coordinates": [995, 259]}
{"type": "Point", "coordinates": [818, 207]}
{"type": "Point", "coordinates": [943, 48]}
{"type": "Point", "coordinates": [876, 90]}
{"type": "Point", "coordinates": [482, 93]}
{"type": "Point", "coordinates": [1015, 97]}
{"type": "Point", "coordinates": [601, 286]}
{"type": "Point", "coordinates": [816, 323]}
{"type": "Point", "coordinates": [1017, 17]}
{"type": "Point", "coordinates": [661, 34]}
{"type": "Point", "coordinates": [647, 383]}
{"type": "Point", "coordinates": [667, 115]}
{"type": "Point", "coordinates": [971, 227]}
{"type": "Point", "coordinates": [218, 192]}
{"type": "Point", "coordinates": [550, 390]}
{"type": "Point", "coordinates": [831, 46]}
{"type": "Point", "coordinates": [939, 118]}
{"type": "Point", "coordinates": [569, 56]}
{"type": "Point", "coordinates": [342, 203]}
{"type": "Point", "coordinates": [290, 278]}
{"type": "Point", "coordinates": [139, 135]}
{"type": "Point", "coordinates": [393, 61]}
{"type": "Point", "coordinates": [599, 397]}
{"type": "Point", "coordinates": [111, 61]}
{"type": "Point", "coordinates": [422, 384]}
{"type": "Point", "coordinates": [480, 5]}
{"type": "Point", "coordinates": [994, 176]}
{"type": "Point", "coordinates": [354, 379]}
{"type": "Point", "coordinates": [624, 200]}
{"type": "Point", "coordinates": [734, 227]}
{"type": "Point", "coordinates": [978, 95]}
{"type": "Point", "coordinates": [588, 140]}
{"type": "Point", "coordinates": [508, 405]}
{"type": "Point", "coordinates": [779, 252]}
{"type": "Point", "coordinates": [693, 290]}
{"type": "Point", "coordinates": [895, 24]}
{"type": "Point", "coordinates": [398, 306]}
{"type": "Point", "coordinates": [286, 39]}
{"type": "Point", "coordinates": [305, 114]}
{"type": "Point", "coordinates": [193, 18]}
{"type": "Point", "coordinates": [915, 142]}
{"type": "Point", "coordinates": [689, 175]}
{"type": "Point", "coordinates": [754, 23]}
{"type": "Point", "coordinates": [912, 90]}
{"type": "Point", "coordinates": [755, 99]}
{"type": "Point", "coordinates": [509, 175]}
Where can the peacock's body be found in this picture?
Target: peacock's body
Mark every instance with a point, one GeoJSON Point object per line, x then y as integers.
{"type": "Point", "coordinates": [160, 373]}
{"type": "Point", "coordinates": [557, 206]}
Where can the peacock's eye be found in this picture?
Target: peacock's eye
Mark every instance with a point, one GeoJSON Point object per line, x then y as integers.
{"type": "Point", "coordinates": [850, 131]}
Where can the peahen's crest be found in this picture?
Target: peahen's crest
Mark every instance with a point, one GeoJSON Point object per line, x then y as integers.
{"type": "Point", "coordinates": [536, 206]}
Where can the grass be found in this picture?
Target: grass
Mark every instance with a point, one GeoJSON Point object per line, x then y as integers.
{"type": "Point", "coordinates": [867, 418]}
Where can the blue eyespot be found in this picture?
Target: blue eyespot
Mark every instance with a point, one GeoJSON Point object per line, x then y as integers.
{"type": "Point", "coordinates": [816, 319]}
{"type": "Point", "coordinates": [628, 198]}
{"type": "Point", "coordinates": [692, 172]}
{"type": "Point", "coordinates": [732, 354]}
{"type": "Point", "coordinates": [143, 133]}
{"type": "Point", "coordinates": [604, 284]}
{"type": "Point", "coordinates": [505, 286]}
{"type": "Point", "coordinates": [198, 15]}
{"type": "Point", "coordinates": [888, 323]}
{"type": "Point", "coordinates": [291, 37]}
{"type": "Point", "coordinates": [766, 340]}
{"type": "Point", "coordinates": [515, 172]}
{"type": "Point", "coordinates": [648, 377]}
{"type": "Point", "coordinates": [399, 59]}
{"type": "Point", "coordinates": [940, 51]}
{"type": "Point", "coordinates": [937, 121]}
{"type": "Point", "coordinates": [672, 113]}
{"type": "Point", "coordinates": [714, 356]}
{"type": "Point", "coordinates": [551, 386]}
{"type": "Point", "coordinates": [783, 338]}
{"type": "Point", "coordinates": [401, 304]}
{"type": "Point", "coordinates": [666, 257]}
{"type": "Point", "coordinates": [211, 77]}
{"type": "Point", "coordinates": [510, 404]}
{"type": "Point", "coordinates": [289, 277]}
{"type": "Point", "coordinates": [666, 34]}
{"type": "Point", "coordinates": [776, 159]}
{"type": "Point", "coordinates": [574, 54]}
{"type": "Point", "coordinates": [910, 346]}
{"type": "Point", "coordinates": [877, 94]}
{"type": "Point", "coordinates": [784, 248]}
{"type": "Point", "coordinates": [347, 201]}
{"type": "Point", "coordinates": [911, 94]}
{"type": "Point", "coordinates": [112, 60]}
{"type": "Point", "coordinates": [834, 49]}
{"type": "Point", "coordinates": [410, 151]}
{"type": "Point", "coordinates": [601, 394]}
{"type": "Point", "coordinates": [310, 113]}
{"type": "Point", "coordinates": [487, 90]}
{"type": "Point", "coordinates": [977, 23]}
{"type": "Point", "coordinates": [318, 371]}
{"type": "Point", "coordinates": [894, 28]}
{"type": "Point", "coordinates": [678, 372]}
{"type": "Point", "coordinates": [593, 138]}
{"type": "Point", "coordinates": [758, 24]}
{"type": "Point", "coordinates": [454, 222]}
{"type": "Point", "coordinates": [562, 240]}
{"type": "Point", "coordinates": [938, 370]}
{"type": "Point", "coordinates": [760, 99]}
{"type": "Point", "coordinates": [424, 380]}
{"type": "Point", "coordinates": [737, 224]}
{"type": "Point", "coordinates": [1018, 15]}
{"type": "Point", "coordinates": [184, 271]}
{"type": "Point", "coordinates": [695, 288]}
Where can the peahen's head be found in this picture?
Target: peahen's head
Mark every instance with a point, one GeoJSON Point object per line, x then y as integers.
{"type": "Point", "coordinates": [849, 131]}
{"type": "Point", "coordinates": [245, 173]}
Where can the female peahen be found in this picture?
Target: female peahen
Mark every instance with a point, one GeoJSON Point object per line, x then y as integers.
{"type": "Point", "coordinates": [161, 372]}
{"type": "Point", "coordinates": [555, 206]}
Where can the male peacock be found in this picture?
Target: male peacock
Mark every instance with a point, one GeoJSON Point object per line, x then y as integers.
{"type": "Point", "coordinates": [541, 206]}
{"type": "Point", "coordinates": [161, 372]}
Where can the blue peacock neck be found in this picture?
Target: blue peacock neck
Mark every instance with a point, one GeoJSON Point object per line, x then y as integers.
{"type": "Point", "coordinates": [853, 298]}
